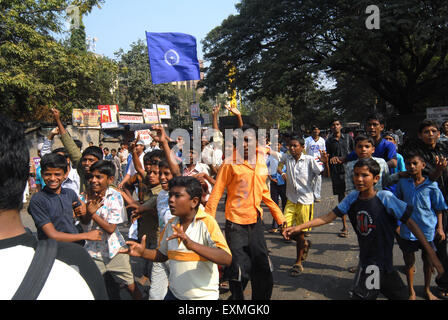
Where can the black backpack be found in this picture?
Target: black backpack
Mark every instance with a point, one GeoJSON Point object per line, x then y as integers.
{"type": "Point", "coordinates": [38, 271]}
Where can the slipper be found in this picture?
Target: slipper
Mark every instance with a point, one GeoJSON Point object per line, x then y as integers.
{"type": "Point", "coordinates": [296, 270]}
{"type": "Point", "coordinates": [343, 234]}
{"type": "Point", "coordinates": [273, 231]}
{"type": "Point", "coordinates": [306, 249]}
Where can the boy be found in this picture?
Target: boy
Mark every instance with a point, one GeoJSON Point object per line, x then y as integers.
{"type": "Point", "coordinates": [313, 146]}
{"type": "Point", "coordinates": [373, 216]}
{"type": "Point", "coordinates": [197, 248]}
{"type": "Point", "coordinates": [73, 275]}
{"type": "Point", "coordinates": [52, 208]}
{"type": "Point", "coordinates": [244, 176]}
{"type": "Point", "coordinates": [105, 210]}
{"type": "Point", "coordinates": [301, 171]}
{"type": "Point", "coordinates": [338, 146]}
{"type": "Point", "coordinates": [427, 200]}
{"type": "Point", "coordinates": [364, 149]}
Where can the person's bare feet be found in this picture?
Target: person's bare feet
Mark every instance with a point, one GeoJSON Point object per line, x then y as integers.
{"type": "Point", "coordinates": [430, 296]}
{"type": "Point", "coordinates": [412, 296]}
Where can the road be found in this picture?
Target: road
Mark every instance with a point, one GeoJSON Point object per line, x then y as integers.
{"type": "Point", "coordinates": [325, 275]}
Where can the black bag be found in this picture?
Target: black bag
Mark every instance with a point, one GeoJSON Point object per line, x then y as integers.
{"type": "Point", "coordinates": [38, 271]}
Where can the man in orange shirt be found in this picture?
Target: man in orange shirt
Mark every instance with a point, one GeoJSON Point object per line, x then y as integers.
{"type": "Point", "coordinates": [245, 181]}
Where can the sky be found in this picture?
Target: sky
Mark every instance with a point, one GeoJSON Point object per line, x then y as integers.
{"type": "Point", "coordinates": [119, 23]}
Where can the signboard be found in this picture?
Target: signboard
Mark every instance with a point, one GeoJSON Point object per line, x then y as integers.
{"type": "Point", "coordinates": [109, 113]}
{"type": "Point", "coordinates": [150, 115]}
{"type": "Point", "coordinates": [86, 118]}
{"type": "Point", "coordinates": [438, 114]}
{"type": "Point", "coordinates": [131, 117]}
{"type": "Point", "coordinates": [164, 111]}
{"type": "Point", "coordinates": [195, 110]}
{"type": "Point", "coordinates": [144, 136]}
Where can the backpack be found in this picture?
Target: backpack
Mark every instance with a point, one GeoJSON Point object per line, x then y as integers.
{"type": "Point", "coordinates": [38, 271]}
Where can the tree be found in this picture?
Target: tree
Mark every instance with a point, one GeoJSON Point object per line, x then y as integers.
{"type": "Point", "coordinates": [280, 48]}
{"type": "Point", "coordinates": [38, 72]}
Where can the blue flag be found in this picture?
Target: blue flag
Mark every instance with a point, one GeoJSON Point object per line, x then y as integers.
{"type": "Point", "coordinates": [172, 57]}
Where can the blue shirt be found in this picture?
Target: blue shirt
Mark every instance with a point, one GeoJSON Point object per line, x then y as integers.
{"type": "Point", "coordinates": [374, 221]}
{"type": "Point", "coordinates": [426, 199]}
{"type": "Point", "coordinates": [39, 179]}
{"type": "Point", "coordinates": [272, 164]}
{"type": "Point", "coordinates": [400, 168]}
{"type": "Point", "coordinates": [46, 207]}
{"type": "Point", "coordinates": [384, 149]}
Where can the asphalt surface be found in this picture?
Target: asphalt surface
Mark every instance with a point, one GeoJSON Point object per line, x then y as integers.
{"type": "Point", "coordinates": [325, 275]}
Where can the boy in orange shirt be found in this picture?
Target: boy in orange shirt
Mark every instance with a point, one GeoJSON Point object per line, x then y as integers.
{"type": "Point", "coordinates": [245, 182]}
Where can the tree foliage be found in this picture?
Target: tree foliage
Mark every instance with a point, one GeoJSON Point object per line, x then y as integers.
{"type": "Point", "coordinates": [280, 48]}
{"type": "Point", "coordinates": [38, 72]}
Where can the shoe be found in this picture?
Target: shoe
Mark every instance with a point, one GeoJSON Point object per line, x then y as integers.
{"type": "Point", "coordinates": [273, 231]}
{"type": "Point", "coordinates": [317, 200]}
{"type": "Point", "coordinates": [343, 234]}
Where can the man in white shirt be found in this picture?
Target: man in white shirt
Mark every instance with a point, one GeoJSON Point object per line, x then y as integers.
{"type": "Point", "coordinates": [313, 147]}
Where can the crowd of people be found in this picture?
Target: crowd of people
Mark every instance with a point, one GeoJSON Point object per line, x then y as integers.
{"type": "Point", "coordinates": [391, 186]}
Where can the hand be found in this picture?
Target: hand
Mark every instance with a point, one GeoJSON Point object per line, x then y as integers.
{"type": "Point", "coordinates": [434, 263]}
{"type": "Point", "coordinates": [440, 234]}
{"type": "Point", "coordinates": [79, 210]}
{"type": "Point", "coordinates": [404, 174]}
{"type": "Point", "coordinates": [94, 235]}
{"type": "Point", "coordinates": [56, 114]}
{"type": "Point", "coordinates": [336, 160]}
{"type": "Point", "coordinates": [288, 232]}
{"type": "Point", "coordinates": [53, 133]}
{"type": "Point", "coordinates": [323, 157]}
{"type": "Point", "coordinates": [135, 249]}
{"type": "Point", "coordinates": [93, 205]}
{"type": "Point", "coordinates": [200, 177]}
{"type": "Point", "coordinates": [135, 216]}
{"type": "Point", "coordinates": [160, 132]}
{"type": "Point", "coordinates": [441, 163]}
{"type": "Point", "coordinates": [131, 146]}
{"type": "Point", "coordinates": [178, 232]}
{"type": "Point", "coordinates": [134, 205]}
{"type": "Point", "coordinates": [216, 109]}
{"type": "Point", "coordinates": [235, 111]}
{"type": "Point", "coordinates": [120, 186]}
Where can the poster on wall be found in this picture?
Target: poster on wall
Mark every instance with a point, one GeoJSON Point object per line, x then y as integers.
{"type": "Point", "coordinates": [144, 136]}
{"type": "Point", "coordinates": [86, 118]}
{"type": "Point", "coordinates": [131, 117]}
{"type": "Point", "coordinates": [164, 111]}
{"type": "Point", "coordinates": [151, 116]}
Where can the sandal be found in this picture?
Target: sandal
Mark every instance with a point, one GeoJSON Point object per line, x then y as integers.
{"type": "Point", "coordinates": [306, 249]}
{"type": "Point", "coordinates": [296, 270]}
{"type": "Point", "coordinates": [273, 231]}
{"type": "Point", "coordinates": [343, 234]}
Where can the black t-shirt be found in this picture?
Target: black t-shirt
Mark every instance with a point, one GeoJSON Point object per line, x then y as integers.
{"type": "Point", "coordinates": [339, 148]}
{"type": "Point", "coordinates": [374, 221]}
{"type": "Point", "coordinates": [46, 207]}
{"type": "Point", "coordinates": [69, 254]}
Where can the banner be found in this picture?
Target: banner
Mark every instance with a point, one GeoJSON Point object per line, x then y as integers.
{"type": "Point", "coordinates": [144, 136]}
{"type": "Point", "coordinates": [151, 116]}
{"type": "Point", "coordinates": [195, 110]}
{"type": "Point", "coordinates": [172, 57]}
{"type": "Point", "coordinates": [164, 111]}
{"type": "Point", "coordinates": [131, 117]}
{"type": "Point", "coordinates": [86, 118]}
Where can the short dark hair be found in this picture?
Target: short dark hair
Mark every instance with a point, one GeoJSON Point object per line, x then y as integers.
{"type": "Point", "coordinates": [410, 153]}
{"type": "Point", "coordinates": [53, 160]}
{"type": "Point", "coordinates": [298, 138]}
{"type": "Point", "coordinates": [314, 127]}
{"type": "Point", "coordinates": [363, 137]}
{"type": "Point", "coordinates": [375, 116]}
{"type": "Point", "coordinates": [164, 164]}
{"type": "Point", "coordinates": [113, 150]}
{"type": "Point", "coordinates": [105, 148]}
{"type": "Point", "coordinates": [333, 121]}
{"type": "Point", "coordinates": [427, 123]}
{"type": "Point", "coordinates": [192, 186]}
{"type": "Point", "coordinates": [104, 167]}
{"type": "Point", "coordinates": [14, 164]}
{"type": "Point", "coordinates": [148, 157]}
{"type": "Point", "coordinates": [371, 164]}
{"type": "Point", "coordinates": [61, 150]}
{"type": "Point", "coordinates": [93, 151]}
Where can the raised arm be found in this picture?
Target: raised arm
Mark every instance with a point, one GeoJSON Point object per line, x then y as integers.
{"type": "Point", "coordinates": [237, 113]}
{"type": "Point", "coordinates": [174, 167]}
{"type": "Point", "coordinates": [67, 140]}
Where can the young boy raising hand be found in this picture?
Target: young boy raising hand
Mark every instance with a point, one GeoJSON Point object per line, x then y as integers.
{"type": "Point", "coordinates": [192, 242]}
{"type": "Point", "coordinates": [374, 218]}
{"type": "Point", "coordinates": [105, 210]}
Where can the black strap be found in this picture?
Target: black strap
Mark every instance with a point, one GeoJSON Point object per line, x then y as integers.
{"type": "Point", "coordinates": [38, 271]}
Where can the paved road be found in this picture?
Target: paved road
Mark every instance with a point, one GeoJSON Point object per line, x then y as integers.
{"type": "Point", "coordinates": [325, 275]}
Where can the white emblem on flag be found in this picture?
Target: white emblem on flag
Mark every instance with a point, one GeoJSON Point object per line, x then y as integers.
{"type": "Point", "coordinates": [172, 57]}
